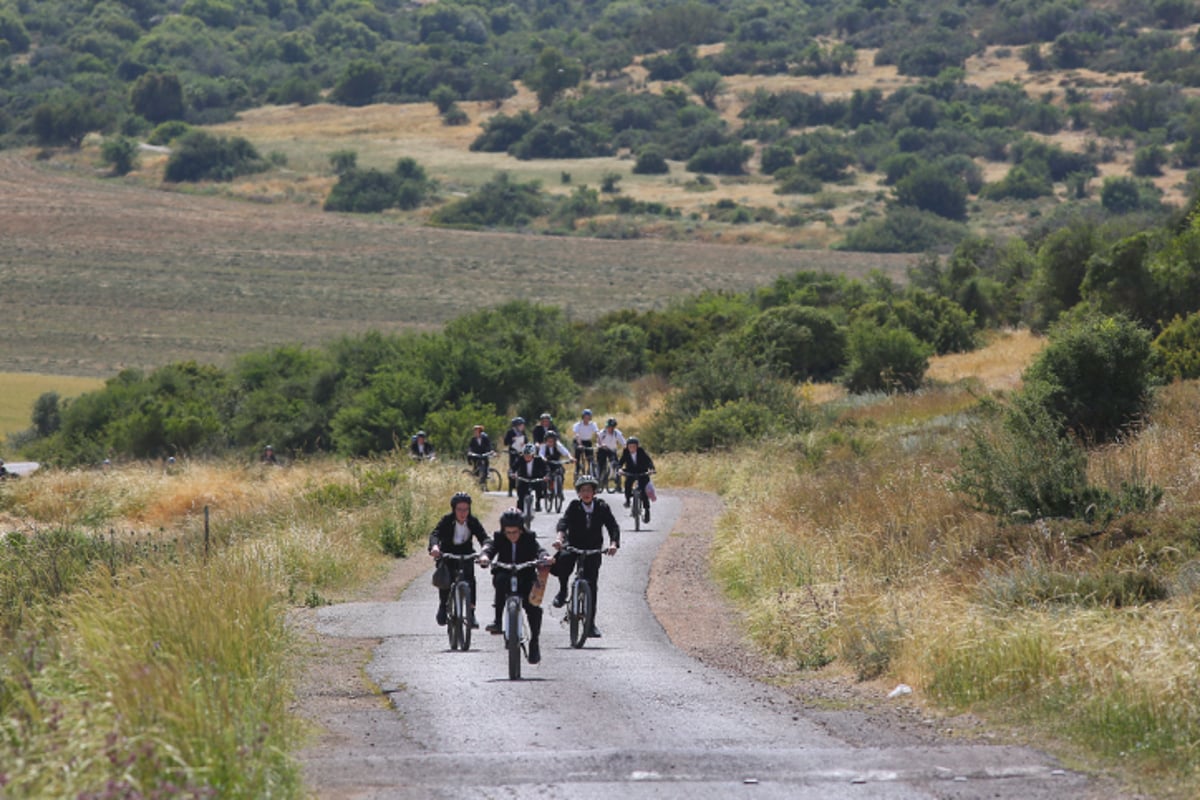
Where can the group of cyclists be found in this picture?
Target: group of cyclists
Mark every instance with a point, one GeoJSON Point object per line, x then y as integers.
{"type": "Point", "coordinates": [584, 524]}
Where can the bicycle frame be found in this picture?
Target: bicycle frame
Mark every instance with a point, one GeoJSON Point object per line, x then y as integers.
{"type": "Point", "coordinates": [579, 618]}
{"type": "Point", "coordinates": [515, 642]}
{"type": "Point", "coordinates": [458, 626]}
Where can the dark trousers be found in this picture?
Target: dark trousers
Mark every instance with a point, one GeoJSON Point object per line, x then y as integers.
{"type": "Point", "coordinates": [525, 579]}
{"type": "Point", "coordinates": [468, 568]}
{"type": "Point", "coordinates": [564, 565]}
{"type": "Point", "coordinates": [641, 485]}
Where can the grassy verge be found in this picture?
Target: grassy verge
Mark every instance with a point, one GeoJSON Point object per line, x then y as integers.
{"type": "Point", "coordinates": [852, 553]}
{"type": "Point", "coordinates": [137, 661]}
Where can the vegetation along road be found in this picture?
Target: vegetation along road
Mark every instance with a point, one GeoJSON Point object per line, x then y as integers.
{"type": "Point", "coordinates": [628, 715]}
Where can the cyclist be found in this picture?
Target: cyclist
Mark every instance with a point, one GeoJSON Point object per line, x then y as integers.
{"type": "Point", "coordinates": [514, 440]}
{"type": "Point", "coordinates": [530, 467]}
{"type": "Point", "coordinates": [636, 460]}
{"type": "Point", "coordinates": [610, 444]}
{"type": "Point", "coordinates": [544, 426]}
{"type": "Point", "coordinates": [479, 447]}
{"type": "Point", "coordinates": [420, 447]}
{"type": "Point", "coordinates": [268, 455]}
{"type": "Point", "coordinates": [553, 451]}
{"type": "Point", "coordinates": [585, 431]}
{"type": "Point", "coordinates": [513, 544]}
{"type": "Point", "coordinates": [582, 526]}
{"type": "Point", "coordinates": [453, 534]}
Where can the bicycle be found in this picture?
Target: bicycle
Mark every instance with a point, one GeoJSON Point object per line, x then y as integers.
{"type": "Point", "coordinates": [458, 604]}
{"type": "Point", "coordinates": [530, 496]}
{"type": "Point", "coordinates": [640, 501]}
{"type": "Point", "coordinates": [554, 485]}
{"type": "Point", "coordinates": [607, 475]}
{"type": "Point", "coordinates": [586, 462]}
{"type": "Point", "coordinates": [513, 623]}
{"type": "Point", "coordinates": [581, 606]}
{"type": "Point", "coordinates": [482, 471]}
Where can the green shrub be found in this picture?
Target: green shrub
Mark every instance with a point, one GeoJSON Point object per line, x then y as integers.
{"type": "Point", "coordinates": [650, 161]}
{"type": "Point", "coordinates": [904, 230]}
{"type": "Point", "coordinates": [798, 342]}
{"type": "Point", "coordinates": [884, 359]}
{"type": "Point", "coordinates": [931, 188]}
{"type": "Point", "coordinates": [202, 156]}
{"type": "Point", "coordinates": [1179, 348]}
{"type": "Point", "coordinates": [371, 190]}
{"type": "Point", "coordinates": [1096, 374]}
{"type": "Point", "coordinates": [499, 202]}
{"type": "Point", "coordinates": [121, 153]}
{"type": "Point", "coordinates": [724, 159]}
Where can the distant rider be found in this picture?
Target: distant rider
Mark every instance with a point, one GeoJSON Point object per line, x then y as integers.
{"type": "Point", "coordinates": [514, 440]}
{"type": "Point", "coordinates": [637, 461]}
{"type": "Point", "coordinates": [420, 447]}
{"type": "Point", "coordinates": [609, 445]}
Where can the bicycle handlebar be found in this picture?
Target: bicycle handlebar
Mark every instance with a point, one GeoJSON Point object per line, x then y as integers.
{"type": "Point", "coordinates": [638, 474]}
{"type": "Point", "coordinates": [569, 549]}
{"type": "Point", "coordinates": [471, 556]}
{"type": "Point", "coordinates": [521, 479]}
{"type": "Point", "coordinates": [517, 567]}
{"type": "Point", "coordinates": [480, 455]}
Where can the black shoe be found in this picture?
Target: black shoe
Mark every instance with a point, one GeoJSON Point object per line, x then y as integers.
{"type": "Point", "coordinates": [494, 628]}
{"type": "Point", "coordinates": [471, 619]}
{"type": "Point", "coordinates": [627, 502]}
{"type": "Point", "coordinates": [537, 507]}
{"type": "Point", "coordinates": [559, 601]}
{"type": "Point", "coordinates": [535, 652]}
{"type": "Point", "coordinates": [441, 615]}
{"type": "Point", "coordinates": [595, 634]}
{"type": "Point", "coordinates": [646, 514]}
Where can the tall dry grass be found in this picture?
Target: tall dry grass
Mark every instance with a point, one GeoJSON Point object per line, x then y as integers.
{"type": "Point", "coordinates": [849, 550]}
{"type": "Point", "coordinates": [172, 673]}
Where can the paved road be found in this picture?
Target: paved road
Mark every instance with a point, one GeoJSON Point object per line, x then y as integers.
{"type": "Point", "coordinates": [628, 716]}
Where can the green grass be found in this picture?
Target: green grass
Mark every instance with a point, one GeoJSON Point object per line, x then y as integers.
{"type": "Point", "coordinates": [18, 391]}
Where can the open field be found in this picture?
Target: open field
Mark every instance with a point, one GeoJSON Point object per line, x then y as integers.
{"type": "Point", "coordinates": [100, 275]}
{"type": "Point", "coordinates": [18, 391]}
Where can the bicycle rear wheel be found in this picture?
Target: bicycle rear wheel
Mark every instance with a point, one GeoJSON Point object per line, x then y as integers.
{"type": "Point", "coordinates": [462, 613]}
{"type": "Point", "coordinates": [512, 634]}
{"type": "Point", "coordinates": [492, 482]}
{"type": "Point", "coordinates": [581, 614]}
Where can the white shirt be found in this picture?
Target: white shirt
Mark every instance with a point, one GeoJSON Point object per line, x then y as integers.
{"type": "Point", "coordinates": [585, 431]}
{"type": "Point", "coordinates": [462, 534]}
{"type": "Point", "coordinates": [544, 447]}
{"type": "Point", "coordinates": [614, 440]}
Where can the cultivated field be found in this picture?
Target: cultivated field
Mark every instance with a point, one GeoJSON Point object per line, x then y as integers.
{"type": "Point", "coordinates": [18, 391]}
{"type": "Point", "coordinates": [98, 275]}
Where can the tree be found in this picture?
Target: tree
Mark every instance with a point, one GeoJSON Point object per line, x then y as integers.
{"type": "Point", "coordinates": [121, 152]}
{"type": "Point", "coordinates": [707, 84]}
{"type": "Point", "coordinates": [359, 83]}
{"type": "Point", "coordinates": [552, 74]}
{"type": "Point", "coordinates": [65, 121]}
{"type": "Point", "coordinates": [725, 159]}
{"type": "Point", "coordinates": [884, 359]}
{"type": "Point", "coordinates": [931, 188]}
{"type": "Point", "coordinates": [47, 414]}
{"type": "Point", "coordinates": [158, 96]}
{"type": "Point", "coordinates": [499, 202]}
{"type": "Point", "coordinates": [650, 161]}
{"type": "Point", "coordinates": [201, 156]}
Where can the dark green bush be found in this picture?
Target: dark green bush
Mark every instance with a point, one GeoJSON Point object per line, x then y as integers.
{"type": "Point", "coordinates": [201, 156]}
{"type": "Point", "coordinates": [501, 202]}
{"type": "Point", "coordinates": [884, 359]}
{"type": "Point", "coordinates": [797, 342]}
{"type": "Point", "coordinates": [725, 159]}
{"type": "Point", "coordinates": [931, 188]}
{"type": "Point", "coordinates": [1096, 374]}
{"type": "Point", "coordinates": [650, 161]}
{"type": "Point", "coordinates": [904, 230]}
{"type": "Point", "coordinates": [371, 190]}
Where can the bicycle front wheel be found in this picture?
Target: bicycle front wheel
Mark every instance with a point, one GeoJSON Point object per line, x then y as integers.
{"type": "Point", "coordinates": [492, 483]}
{"type": "Point", "coordinates": [462, 612]}
{"type": "Point", "coordinates": [527, 508]}
{"type": "Point", "coordinates": [582, 614]}
{"type": "Point", "coordinates": [636, 505]}
{"type": "Point", "coordinates": [512, 616]}
{"type": "Point", "coordinates": [557, 497]}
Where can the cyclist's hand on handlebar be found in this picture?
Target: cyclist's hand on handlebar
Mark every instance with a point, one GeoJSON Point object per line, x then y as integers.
{"type": "Point", "coordinates": [483, 561]}
{"type": "Point", "coordinates": [558, 544]}
{"type": "Point", "coordinates": [435, 551]}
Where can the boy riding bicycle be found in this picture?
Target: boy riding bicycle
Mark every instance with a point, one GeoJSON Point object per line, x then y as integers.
{"type": "Point", "coordinates": [453, 534]}
{"type": "Point", "coordinates": [513, 544]}
{"type": "Point", "coordinates": [582, 526]}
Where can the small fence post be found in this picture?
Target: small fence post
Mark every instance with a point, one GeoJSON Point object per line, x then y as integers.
{"type": "Point", "coordinates": [206, 533]}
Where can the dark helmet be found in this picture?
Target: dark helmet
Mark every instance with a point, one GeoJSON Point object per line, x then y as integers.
{"type": "Point", "coordinates": [632, 440]}
{"type": "Point", "coordinates": [551, 434]}
{"type": "Point", "coordinates": [459, 497]}
{"type": "Point", "coordinates": [586, 479]}
{"type": "Point", "coordinates": [612, 422]}
{"type": "Point", "coordinates": [512, 518]}
{"type": "Point", "coordinates": [518, 420]}
{"type": "Point", "coordinates": [529, 450]}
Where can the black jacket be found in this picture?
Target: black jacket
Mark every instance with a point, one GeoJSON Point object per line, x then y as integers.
{"type": "Point", "coordinates": [539, 468]}
{"type": "Point", "coordinates": [498, 548]}
{"type": "Point", "coordinates": [578, 533]}
{"type": "Point", "coordinates": [480, 446]}
{"type": "Point", "coordinates": [443, 535]}
{"type": "Point", "coordinates": [644, 462]}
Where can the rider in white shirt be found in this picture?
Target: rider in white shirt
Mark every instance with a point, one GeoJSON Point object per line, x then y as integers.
{"type": "Point", "coordinates": [585, 431]}
{"type": "Point", "coordinates": [610, 442]}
